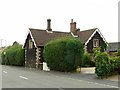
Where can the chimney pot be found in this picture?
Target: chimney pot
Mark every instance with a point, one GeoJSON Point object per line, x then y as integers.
{"type": "Point", "coordinates": [71, 20]}
{"type": "Point", "coordinates": [78, 29]}
{"type": "Point", "coordinates": [49, 25]}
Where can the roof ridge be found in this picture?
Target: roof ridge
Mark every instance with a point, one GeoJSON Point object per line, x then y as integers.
{"type": "Point", "coordinates": [46, 30]}
{"type": "Point", "coordinates": [37, 29]}
{"type": "Point", "coordinates": [60, 32]}
{"type": "Point", "coordinates": [89, 29]}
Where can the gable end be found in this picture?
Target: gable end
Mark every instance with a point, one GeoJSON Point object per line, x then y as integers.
{"type": "Point", "coordinates": [97, 30]}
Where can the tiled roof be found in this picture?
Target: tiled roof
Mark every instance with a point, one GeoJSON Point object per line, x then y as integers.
{"type": "Point", "coordinates": [41, 37]}
{"type": "Point", "coordinates": [113, 46]}
{"type": "Point", "coordinates": [85, 35]}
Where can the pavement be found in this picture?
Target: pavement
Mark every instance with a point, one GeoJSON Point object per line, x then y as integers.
{"type": "Point", "coordinates": [91, 70]}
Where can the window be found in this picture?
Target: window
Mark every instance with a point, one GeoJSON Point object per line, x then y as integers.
{"type": "Point", "coordinates": [95, 42]}
{"type": "Point", "coordinates": [30, 44]}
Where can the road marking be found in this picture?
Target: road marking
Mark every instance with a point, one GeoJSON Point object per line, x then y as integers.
{"type": "Point", "coordinates": [4, 71]}
{"type": "Point", "coordinates": [23, 77]}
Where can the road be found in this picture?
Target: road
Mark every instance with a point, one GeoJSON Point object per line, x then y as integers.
{"type": "Point", "coordinates": [20, 77]}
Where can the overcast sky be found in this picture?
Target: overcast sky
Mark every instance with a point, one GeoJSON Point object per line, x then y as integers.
{"type": "Point", "coordinates": [17, 16]}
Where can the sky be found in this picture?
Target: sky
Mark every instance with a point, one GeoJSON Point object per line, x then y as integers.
{"type": "Point", "coordinates": [17, 16]}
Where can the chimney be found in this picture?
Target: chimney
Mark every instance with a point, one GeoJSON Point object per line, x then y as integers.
{"type": "Point", "coordinates": [73, 28]}
{"type": "Point", "coordinates": [78, 29]}
{"type": "Point", "coordinates": [49, 25]}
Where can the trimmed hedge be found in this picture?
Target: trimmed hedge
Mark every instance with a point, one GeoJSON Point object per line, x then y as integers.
{"type": "Point", "coordinates": [14, 55]}
{"type": "Point", "coordinates": [64, 54]}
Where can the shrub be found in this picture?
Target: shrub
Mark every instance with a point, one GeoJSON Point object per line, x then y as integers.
{"type": "Point", "coordinates": [102, 66]}
{"type": "Point", "coordinates": [64, 54]}
{"type": "Point", "coordinates": [87, 60]}
{"type": "Point", "coordinates": [103, 47]}
{"type": "Point", "coordinates": [105, 65]}
{"type": "Point", "coordinates": [118, 52]}
{"type": "Point", "coordinates": [14, 55]}
{"type": "Point", "coordinates": [117, 59]}
{"type": "Point", "coordinates": [96, 50]}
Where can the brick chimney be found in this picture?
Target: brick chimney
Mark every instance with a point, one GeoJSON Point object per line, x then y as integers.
{"type": "Point", "coordinates": [49, 25]}
{"type": "Point", "coordinates": [73, 28]}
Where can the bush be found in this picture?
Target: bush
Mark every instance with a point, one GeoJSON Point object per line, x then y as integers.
{"type": "Point", "coordinates": [96, 50]}
{"type": "Point", "coordinates": [118, 52]}
{"type": "Point", "coordinates": [105, 65]}
{"type": "Point", "coordinates": [117, 60]}
{"type": "Point", "coordinates": [64, 54]}
{"type": "Point", "coordinates": [103, 47]}
{"type": "Point", "coordinates": [14, 55]}
{"type": "Point", "coordinates": [87, 60]}
{"type": "Point", "coordinates": [102, 67]}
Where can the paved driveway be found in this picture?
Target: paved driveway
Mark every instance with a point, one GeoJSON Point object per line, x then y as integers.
{"type": "Point", "coordinates": [91, 70]}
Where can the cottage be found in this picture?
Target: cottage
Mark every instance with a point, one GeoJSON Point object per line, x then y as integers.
{"type": "Point", "coordinates": [37, 38]}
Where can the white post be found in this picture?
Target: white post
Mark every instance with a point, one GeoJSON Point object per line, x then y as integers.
{"type": "Point", "coordinates": [5, 57]}
{"type": "Point", "coordinates": [45, 67]}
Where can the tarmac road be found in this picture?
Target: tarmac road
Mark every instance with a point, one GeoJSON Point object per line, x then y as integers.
{"type": "Point", "coordinates": [20, 77]}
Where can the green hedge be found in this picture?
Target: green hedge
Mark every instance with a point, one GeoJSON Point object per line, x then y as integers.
{"type": "Point", "coordinates": [64, 54]}
{"type": "Point", "coordinates": [14, 55]}
{"type": "Point", "coordinates": [87, 60]}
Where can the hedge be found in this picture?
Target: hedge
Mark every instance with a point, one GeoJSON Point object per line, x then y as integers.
{"type": "Point", "coordinates": [14, 55]}
{"type": "Point", "coordinates": [64, 54]}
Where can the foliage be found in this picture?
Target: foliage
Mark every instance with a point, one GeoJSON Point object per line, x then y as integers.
{"type": "Point", "coordinates": [118, 52]}
{"type": "Point", "coordinates": [96, 50]}
{"type": "Point", "coordinates": [103, 47]}
{"type": "Point", "coordinates": [87, 60]}
{"type": "Point", "coordinates": [63, 54]}
{"type": "Point", "coordinates": [117, 59]}
{"type": "Point", "coordinates": [102, 68]}
{"type": "Point", "coordinates": [13, 55]}
{"type": "Point", "coordinates": [105, 65]}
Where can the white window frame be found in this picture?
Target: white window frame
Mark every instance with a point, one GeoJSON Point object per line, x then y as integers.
{"type": "Point", "coordinates": [30, 44]}
{"type": "Point", "coordinates": [95, 42]}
